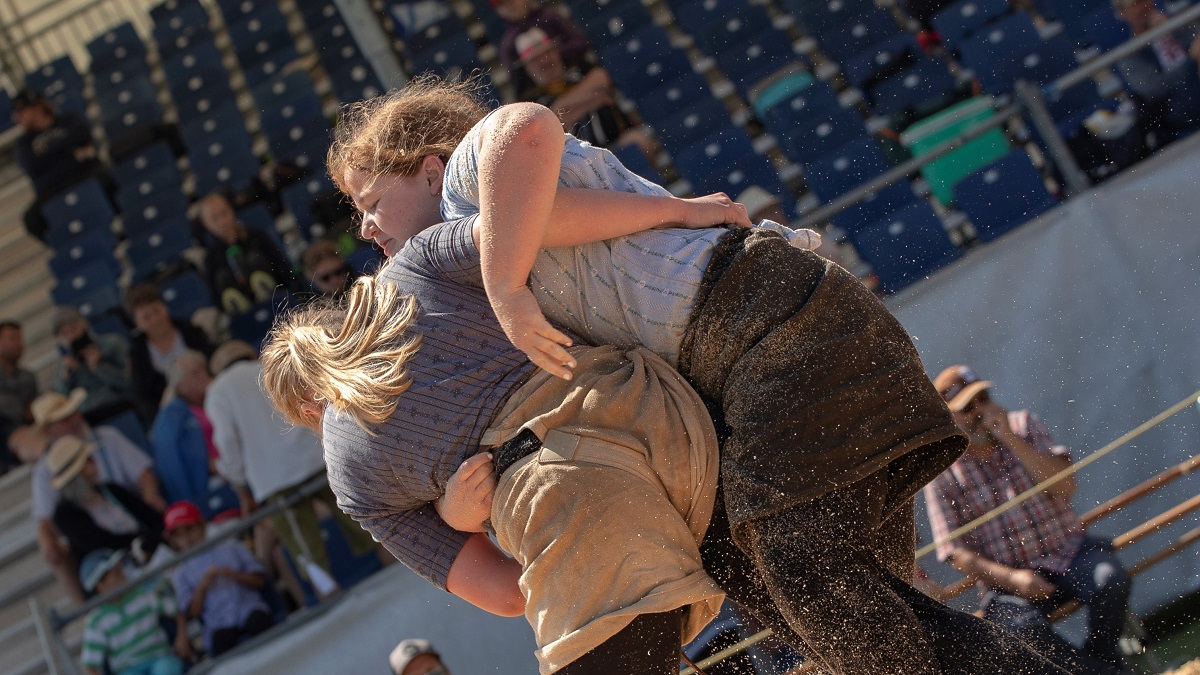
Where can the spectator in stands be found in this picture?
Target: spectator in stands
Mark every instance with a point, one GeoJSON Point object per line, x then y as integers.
{"type": "Point", "coordinates": [1030, 559]}
{"type": "Point", "coordinates": [520, 16]}
{"type": "Point", "coordinates": [1163, 76]}
{"type": "Point", "coordinates": [244, 266]}
{"type": "Point", "coordinates": [56, 152]}
{"type": "Point", "coordinates": [124, 636]}
{"type": "Point", "coordinates": [98, 364]}
{"type": "Point", "coordinates": [264, 456]}
{"type": "Point", "coordinates": [326, 270]}
{"type": "Point", "coordinates": [118, 461]}
{"type": "Point", "coordinates": [93, 513]}
{"type": "Point", "coordinates": [181, 438]}
{"type": "Point", "coordinates": [416, 657]}
{"type": "Point", "coordinates": [18, 388]}
{"type": "Point", "coordinates": [156, 343]}
{"type": "Point", "coordinates": [580, 92]}
{"type": "Point", "coordinates": [221, 586]}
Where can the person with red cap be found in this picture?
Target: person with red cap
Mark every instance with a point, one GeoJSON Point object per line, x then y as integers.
{"type": "Point", "coordinates": [221, 586]}
{"type": "Point", "coordinates": [1032, 558]}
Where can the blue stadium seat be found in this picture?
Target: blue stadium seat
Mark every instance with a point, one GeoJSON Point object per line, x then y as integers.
{"type": "Point", "coordinates": [82, 281]}
{"type": "Point", "coordinates": [905, 246]}
{"type": "Point", "coordinates": [282, 101]}
{"type": "Point", "coordinates": [881, 60]}
{"type": "Point", "coordinates": [1103, 29]}
{"type": "Point", "coordinates": [693, 16]}
{"type": "Point", "coordinates": [200, 92]}
{"type": "Point", "coordinates": [726, 162]}
{"type": "Point", "coordinates": [111, 324]}
{"type": "Point", "coordinates": [147, 213]}
{"type": "Point", "coordinates": [816, 98]}
{"type": "Point", "coordinates": [82, 250]}
{"type": "Point", "coordinates": [185, 294]}
{"type": "Point", "coordinates": [924, 86]}
{"type": "Point", "coordinates": [643, 61]}
{"type": "Point", "coordinates": [859, 34]}
{"type": "Point", "coordinates": [83, 208]}
{"type": "Point", "coordinates": [616, 23]}
{"type": "Point", "coordinates": [749, 63]}
{"type": "Point", "coordinates": [1070, 11]}
{"type": "Point", "coordinates": [1003, 195]}
{"type": "Point", "coordinates": [118, 45]}
{"type": "Point", "coordinates": [199, 56]}
{"type": "Point", "coordinates": [635, 160]}
{"type": "Point", "coordinates": [269, 66]}
{"type": "Point", "coordinates": [56, 77]}
{"type": "Point", "coordinates": [98, 303]}
{"type": "Point", "coordinates": [961, 19]}
{"type": "Point", "coordinates": [1001, 40]}
{"type": "Point", "coordinates": [121, 74]}
{"type": "Point", "coordinates": [583, 12]}
{"type": "Point", "coordinates": [659, 105]}
{"type": "Point", "coordinates": [238, 13]}
{"type": "Point", "coordinates": [147, 164]}
{"type": "Point", "coordinates": [191, 20]}
{"type": "Point", "coordinates": [155, 251]}
{"type": "Point", "coordinates": [219, 149]}
{"type": "Point", "coordinates": [431, 35]}
{"type": "Point", "coordinates": [698, 120]}
{"type": "Point", "coordinates": [847, 168]}
{"type": "Point", "coordinates": [355, 81]}
{"type": "Point", "coordinates": [822, 16]}
{"type": "Point", "coordinates": [132, 95]}
{"type": "Point", "coordinates": [304, 142]}
{"type": "Point", "coordinates": [299, 199]}
{"type": "Point", "coordinates": [253, 326]}
{"type": "Point", "coordinates": [257, 217]}
{"type": "Point", "coordinates": [1044, 63]}
{"type": "Point", "coordinates": [822, 133]}
{"type": "Point", "coordinates": [169, 8]}
{"type": "Point", "coordinates": [725, 33]}
{"type": "Point", "coordinates": [454, 56]}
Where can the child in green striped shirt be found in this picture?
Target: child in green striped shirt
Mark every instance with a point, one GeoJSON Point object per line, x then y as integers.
{"type": "Point", "coordinates": [125, 633]}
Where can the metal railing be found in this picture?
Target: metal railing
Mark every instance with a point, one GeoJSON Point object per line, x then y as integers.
{"type": "Point", "coordinates": [59, 621]}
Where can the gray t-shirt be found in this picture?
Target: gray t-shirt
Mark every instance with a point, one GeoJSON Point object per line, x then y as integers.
{"type": "Point", "coordinates": [464, 371]}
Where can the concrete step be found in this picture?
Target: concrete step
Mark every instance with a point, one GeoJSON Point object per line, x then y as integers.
{"type": "Point", "coordinates": [15, 488]}
{"type": "Point", "coordinates": [27, 576]}
{"type": "Point", "coordinates": [17, 541]}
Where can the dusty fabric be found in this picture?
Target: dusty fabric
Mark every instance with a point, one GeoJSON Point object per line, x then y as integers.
{"type": "Point", "coordinates": [607, 517]}
{"type": "Point", "coordinates": [819, 386]}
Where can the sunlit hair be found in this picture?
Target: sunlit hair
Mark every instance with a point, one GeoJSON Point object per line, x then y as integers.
{"type": "Point", "coordinates": [392, 133]}
{"type": "Point", "coordinates": [352, 355]}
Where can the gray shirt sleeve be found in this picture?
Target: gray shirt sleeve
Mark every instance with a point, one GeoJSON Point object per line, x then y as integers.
{"type": "Point", "coordinates": [43, 498]}
{"type": "Point", "coordinates": [122, 461]}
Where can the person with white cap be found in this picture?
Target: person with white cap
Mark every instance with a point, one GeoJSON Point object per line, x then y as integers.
{"type": "Point", "coordinates": [124, 635]}
{"type": "Point", "coordinates": [1030, 559]}
{"type": "Point", "coordinates": [117, 461]}
{"type": "Point", "coordinates": [416, 657]}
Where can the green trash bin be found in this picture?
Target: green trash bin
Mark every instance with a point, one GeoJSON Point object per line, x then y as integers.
{"type": "Point", "coordinates": [944, 173]}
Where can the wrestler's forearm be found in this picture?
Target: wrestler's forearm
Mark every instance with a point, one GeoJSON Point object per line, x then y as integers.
{"type": "Point", "coordinates": [485, 577]}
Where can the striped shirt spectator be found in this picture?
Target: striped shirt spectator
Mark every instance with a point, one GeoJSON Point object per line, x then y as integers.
{"type": "Point", "coordinates": [1042, 533]}
{"type": "Point", "coordinates": [126, 632]}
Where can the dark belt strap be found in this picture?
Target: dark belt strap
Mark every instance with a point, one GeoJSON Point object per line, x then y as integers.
{"type": "Point", "coordinates": [510, 452]}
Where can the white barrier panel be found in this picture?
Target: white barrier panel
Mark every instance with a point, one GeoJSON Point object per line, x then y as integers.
{"type": "Point", "coordinates": [357, 634]}
{"type": "Point", "coordinates": [1090, 317]}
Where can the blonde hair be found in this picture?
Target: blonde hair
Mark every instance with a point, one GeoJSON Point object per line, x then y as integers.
{"type": "Point", "coordinates": [391, 134]}
{"type": "Point", "coordinates": [352, 357]}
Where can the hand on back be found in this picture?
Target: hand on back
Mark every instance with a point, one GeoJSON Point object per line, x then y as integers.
{"type": "Point", "coordinates": [527, 328]}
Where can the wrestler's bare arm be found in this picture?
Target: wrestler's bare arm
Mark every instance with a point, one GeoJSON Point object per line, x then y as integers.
{"type": "Point", "coordinates": [520, 154]}
{"type": "Point", "coordinates": [485, 577]}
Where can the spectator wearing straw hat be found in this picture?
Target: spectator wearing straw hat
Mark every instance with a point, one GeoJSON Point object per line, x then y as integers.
{"type": "Point", "coordinates": [117, 460]}
{"type": "Point", "coordinates": [221, 586]}
{"type": "Point", "coordinates": [93, 514]}
{"type": "Point", "coordinates": [416, 657]}
{"type": "Point", "coordinates": [98, 364]}
{"type": "Point", "coordinates": [1165, 75]}
{"type": "Point", "coordinates": [124, 635]}
{"type": "Point", "coordinates": [1032, 558]}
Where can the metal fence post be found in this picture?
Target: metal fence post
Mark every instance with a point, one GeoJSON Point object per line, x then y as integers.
{"type": "Point", "coordinates": [1031, 98]}
{"type": "Point", "coordinates": [376, 46]}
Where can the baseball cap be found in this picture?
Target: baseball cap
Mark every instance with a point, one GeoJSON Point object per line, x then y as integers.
{"type": "Point", "coordinates": [96, 564]}
{"type": "Point", "coordinates": [180, 514]}
{"type": "Point", "coordinates": [406, 651]}
{"type": "Point", "coordinates": [958, 385]}
{"type": "Point", "coordinates": [532, 43]}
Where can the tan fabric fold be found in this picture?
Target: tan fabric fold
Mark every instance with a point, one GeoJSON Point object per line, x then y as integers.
{"type": "Point", "coordinates": [607, 517]}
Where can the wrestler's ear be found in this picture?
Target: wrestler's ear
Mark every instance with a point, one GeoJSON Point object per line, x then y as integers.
{"type": "Point", "coordinates": [433, 168]}
{"type": "Point", "coordinates": [313, 414]}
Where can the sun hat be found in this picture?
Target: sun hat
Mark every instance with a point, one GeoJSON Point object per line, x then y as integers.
{"type": "Point", "coordinates": [53, 406]}
{"type": "Point", "coordinates": [66, 458]}
{"type": "Point", "coordinates": [406, 651]}
{"type": "Point", "coordinates": [96, 564]}
{"type": "Point", "coordinates": [532, 43]}
{"type": "Point", "coordinates": [959, 385]}
{"type": "Point", "coordinates": [180, 514]}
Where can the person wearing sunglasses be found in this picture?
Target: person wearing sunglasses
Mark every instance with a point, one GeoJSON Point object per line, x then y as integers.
{"type": "Point", "coordinates": [416, 657]}
{"type": "Point", "coordinates": [1034, 557]}
{"type": "Point", "coordinates": [326, 270]}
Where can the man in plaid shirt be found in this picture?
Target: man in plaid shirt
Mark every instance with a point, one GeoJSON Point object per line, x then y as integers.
{"type": "Point", "coordinates": [1035, 556]}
